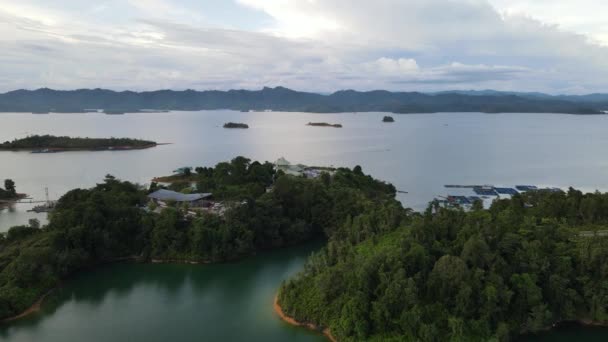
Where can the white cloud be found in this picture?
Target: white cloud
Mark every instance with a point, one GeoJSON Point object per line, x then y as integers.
{"type": "Point", "coordinates": [317, 45]}
{"type": "Point", "coordinates": [393, 66]}
{"type": "Point", "coordinates": [582, 16]}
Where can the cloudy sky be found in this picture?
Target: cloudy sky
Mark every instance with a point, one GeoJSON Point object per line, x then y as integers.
{"type": "Point", "coordinates": [555, 46]}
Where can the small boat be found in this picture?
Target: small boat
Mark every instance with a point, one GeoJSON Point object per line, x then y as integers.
{"type": "Point", "coordinates": [44, 150]}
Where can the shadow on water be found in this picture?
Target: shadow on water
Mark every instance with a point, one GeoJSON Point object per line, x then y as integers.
{"type": "Point", "coordinates": [129, 293]}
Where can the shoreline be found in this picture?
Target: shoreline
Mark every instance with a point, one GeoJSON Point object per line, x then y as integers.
{"type": "Point", "coordinates": [81, 149]}
{"type": "Point", "coordinates": [179, 262]}
{"type": "Point", "coordinates": [292, 321]}
{"type": "Point", "coordinates": [31, 310]}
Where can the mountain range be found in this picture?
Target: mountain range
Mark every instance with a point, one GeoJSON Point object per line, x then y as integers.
{"type": "Point", "coordinates": [284, 99]}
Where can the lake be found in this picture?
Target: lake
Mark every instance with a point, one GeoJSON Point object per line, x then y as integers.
{"type": "Point", "coordinates": [417, 153]}
{"type": "Point", "coordinates": [232, 302]}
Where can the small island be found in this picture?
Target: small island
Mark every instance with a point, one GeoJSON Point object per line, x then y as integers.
{"type": "Point", "coordinates": [324, 124]}
{"type": "Point", "coordinates": [9, 193]}
{"type": "Point", "coordinates": [52, 144]}
{"type": "Point", "coordinates": [388, 119]}
{"type": "Point", "coordinates": [236, 125]}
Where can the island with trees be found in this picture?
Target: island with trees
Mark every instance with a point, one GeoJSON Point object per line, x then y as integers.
{"type": "Point", "coordinates": [9, 193]}
{"type": "Point", "coordinates": [388, 119]}
{"type": "Point", "coordinates": [50, 143]}
{"type": "Point", "coordinates": [236, 125]}
{"type": "Point", "coordinates": [324, 124]}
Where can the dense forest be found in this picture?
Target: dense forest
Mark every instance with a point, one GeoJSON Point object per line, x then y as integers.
{"type": "Point", "coordinates": [9, 191]}
{"type": "Point", "coordinates": [283, 99]}
{"type": "Point", "coordinates": [114, 221]}
{"type": "Point", "coordinates": [53, 142]}
{"type": "Point", "coordinates": [520, 266]}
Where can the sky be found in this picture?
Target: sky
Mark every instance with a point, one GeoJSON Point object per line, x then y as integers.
{"type": "Point", "coordinates": [552, 46]}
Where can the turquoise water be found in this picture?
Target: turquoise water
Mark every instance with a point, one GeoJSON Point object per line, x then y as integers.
{"type": "Point", "coordinates": [143, 302]}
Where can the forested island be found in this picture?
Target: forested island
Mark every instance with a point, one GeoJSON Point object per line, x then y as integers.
{"type": "Point", "coordinates": [521, 266]}
{"type": "Point", "coordinates": [283, 99]}
{"type": "Point", "coordinates": [388, 119]}
{"type": "Point", "coordinates": [236, 125]}
{"type": "Point", "coordinates": [9, 192]}
{"type": "Point", "coordinates": [324, 124]}
{"type": "Point", "coordinates": [50, 143]}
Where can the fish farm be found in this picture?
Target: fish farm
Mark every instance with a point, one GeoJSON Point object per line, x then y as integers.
{"type": "Point", "coordinates": [465, 196]}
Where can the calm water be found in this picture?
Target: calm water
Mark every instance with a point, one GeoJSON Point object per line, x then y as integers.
{"type": "Point", "coordinates": [160, 303]}
{"type": "Point", "coordinates": [417, 153]}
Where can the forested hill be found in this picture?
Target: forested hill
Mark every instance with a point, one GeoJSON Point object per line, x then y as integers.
{"type": "Point", "coordinates": [283, 99]}
{"type": "Point", "coordinates": [448, 275]}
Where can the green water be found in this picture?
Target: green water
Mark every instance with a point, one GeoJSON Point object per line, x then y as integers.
{"type": "Point", "coordinates": [223, 302]}
{"type": "Point", "coordinates": [133, 302]}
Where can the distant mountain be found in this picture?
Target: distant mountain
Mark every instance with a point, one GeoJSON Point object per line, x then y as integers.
{"type": "Point", "coordinates": [590, 98]}
{"type": "Point", "coordinates": [283, 99]}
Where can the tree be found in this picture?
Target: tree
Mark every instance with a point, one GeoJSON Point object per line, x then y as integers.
{"type": "Point", "coordinates": [9, 185]}
{"type": "Point", "coordinates": [34, 223]}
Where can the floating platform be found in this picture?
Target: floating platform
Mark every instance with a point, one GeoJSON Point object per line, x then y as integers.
{"type": "Point", "coordinates": [485, 191]}
{"type": "Point", "coordinates": [526, 187]}
{"type": "Point", "coordinates": [506, 191]}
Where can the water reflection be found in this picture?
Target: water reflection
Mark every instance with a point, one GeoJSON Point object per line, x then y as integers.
{"type": "Point", "coordinates": [155, 302]}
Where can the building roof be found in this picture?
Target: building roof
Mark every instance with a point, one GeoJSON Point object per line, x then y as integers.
{"type": "Point", "coordinates": [168, 195]}
{"type": "Point", "coordinates": [282, 162]}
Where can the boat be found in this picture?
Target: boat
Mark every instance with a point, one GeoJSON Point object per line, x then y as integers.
{"type": "Point", "coordinates": [45, 150]}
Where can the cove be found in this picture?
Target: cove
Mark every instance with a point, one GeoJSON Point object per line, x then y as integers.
{"type": "Point", "coordinates": [166, 302]}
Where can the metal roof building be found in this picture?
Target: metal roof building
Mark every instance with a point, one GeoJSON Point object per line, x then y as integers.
{"type": "Point", "coordinates": [168, 195]}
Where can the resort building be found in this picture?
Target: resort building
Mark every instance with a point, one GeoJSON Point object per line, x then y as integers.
{"type": "Point", "coordinates": [289, 169]}
{"type": "Point", "coordinates": [299, 170]}
{"type": "Point", "coordinates": [163, 197]}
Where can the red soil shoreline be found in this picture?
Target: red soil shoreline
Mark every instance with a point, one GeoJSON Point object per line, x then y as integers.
{"type": "Point", "coordinates": [292, 321]}
{"type": "Point", "coordinates": [32, 309]}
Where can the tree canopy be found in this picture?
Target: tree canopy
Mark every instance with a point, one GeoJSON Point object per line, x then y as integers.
{"type": "Point", "coordinates": [449, 275]}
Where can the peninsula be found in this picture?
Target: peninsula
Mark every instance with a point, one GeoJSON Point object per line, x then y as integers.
{"type": "Point", "coordinates": [522, 266]}
{"type": "Point", "coordinates": [50, 144]}
{"type": "Point", "coordinates": [236, 209]}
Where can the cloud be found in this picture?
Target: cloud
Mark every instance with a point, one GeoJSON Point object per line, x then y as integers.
{"type": "Point", "coordinates": [327, 45]}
